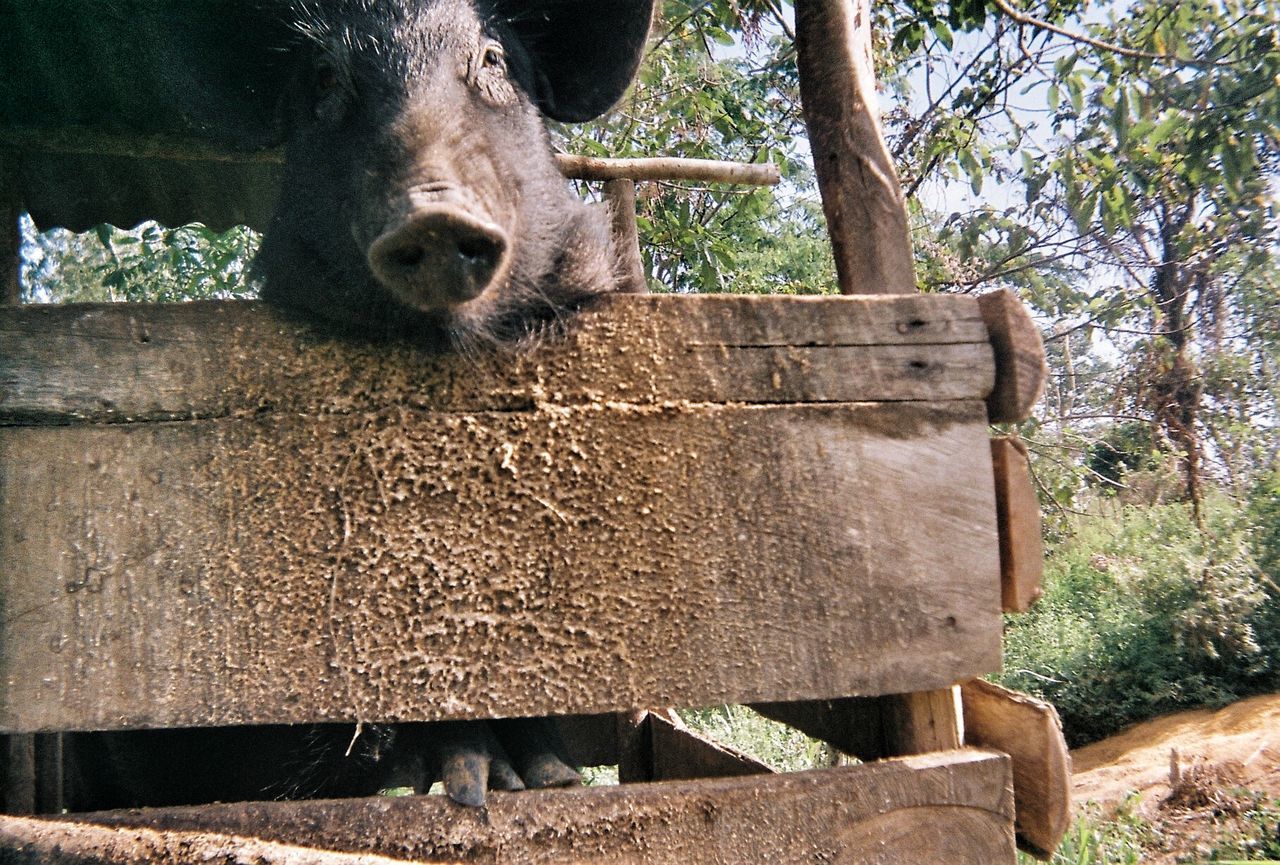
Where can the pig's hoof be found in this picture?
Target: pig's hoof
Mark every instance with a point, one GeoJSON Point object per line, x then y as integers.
{"type": "Point", "coordinates": [537, 751]}
{"type": "Point", "coordinates": [477, 756]}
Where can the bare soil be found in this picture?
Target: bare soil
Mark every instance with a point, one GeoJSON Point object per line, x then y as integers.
{"type": "Point", "coordinates": [1193, 777]}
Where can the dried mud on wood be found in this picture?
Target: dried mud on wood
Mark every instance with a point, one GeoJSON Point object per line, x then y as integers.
{"type": "Point", "coordinates": [411, 565]}
{"type": "Point", "coordinates": [218, 517]}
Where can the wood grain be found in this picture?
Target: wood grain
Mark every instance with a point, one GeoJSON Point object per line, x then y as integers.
{"type": "Point", "coordinates": [1029, 731]}
{"type": "Point", "coordinates": [952, 807]}
{"type": "Point", "coordinates": [123, 362]}
{"type": "Point", "coordinates": [921, 722]}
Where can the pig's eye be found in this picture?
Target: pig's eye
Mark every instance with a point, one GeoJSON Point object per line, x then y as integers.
{"type": "Point", "coordinates": [329, 93]}
{"type": "Point", "coordinates": [493, 58]}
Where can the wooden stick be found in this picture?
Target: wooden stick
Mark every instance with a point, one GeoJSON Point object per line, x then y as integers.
{"type": "Point", "coordinates": [620, 195]}
{"type": "Point", "coordinates": [94, 141]}
{"type": "Point", "coordinates": [667, 168]}
{"type": "Point", "coordinates": [861, 197]}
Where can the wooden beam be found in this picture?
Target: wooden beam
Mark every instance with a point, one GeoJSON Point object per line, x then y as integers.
{"type": "Point", "coordinates": [1020, 363]}
{"type": "Point", "coordinates": [1018, 516]}
{"type": "Point", "coordinates": [19, 774]}
{"type": "Point", "coordinates": [422, 566]}
{"type": "Point", "coordinates": [82, 141]}
{"type": "Point", "coordinates": [853, 725]}
{"type": "Point", "coordinates": [137, 362]}
{"type": "Point", "coordinates": [1029, 731]}
{"type": "Point", "coordinates": [952, 808]}
{"type": "Point", "coordinates": [680, 754]}
{"type": "Point", "coordinates": [861, 197]}
{"type": "Point", "coordinates": [923, 722]}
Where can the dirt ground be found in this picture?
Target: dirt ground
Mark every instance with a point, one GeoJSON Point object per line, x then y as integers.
{"type": "Point", "coordinates": [1211, 757]}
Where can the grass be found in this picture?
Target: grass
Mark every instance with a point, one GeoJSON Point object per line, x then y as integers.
{"type": "Point", "coordinates": [1202, 838]}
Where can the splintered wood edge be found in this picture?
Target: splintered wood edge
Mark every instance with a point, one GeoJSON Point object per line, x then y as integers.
{"type": "Point", "coordinates": [1030, 732]}
{"type": "Point", "coordinates": [956, 806]}
{"type": "Point", "coordinates": [1021, 370]}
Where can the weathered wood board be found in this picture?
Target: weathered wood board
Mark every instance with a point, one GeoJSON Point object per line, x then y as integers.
{"type": "Point", "coordinates": [951, 807]}
{"type": "Point", "coordinates": [1030, 732]}
{"type": "Point", "coordinates": [209, 516]}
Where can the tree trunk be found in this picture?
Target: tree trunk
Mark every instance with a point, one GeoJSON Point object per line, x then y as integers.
{"type": "Point", "coordinates": [861, 197]}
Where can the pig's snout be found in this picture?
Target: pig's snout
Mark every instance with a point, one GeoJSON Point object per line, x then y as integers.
{"type": "Point", "coordinates": [438, 256]}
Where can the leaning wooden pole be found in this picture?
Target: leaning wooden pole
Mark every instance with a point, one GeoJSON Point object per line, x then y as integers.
{"type": "Point", "coordinates": [861, 196]}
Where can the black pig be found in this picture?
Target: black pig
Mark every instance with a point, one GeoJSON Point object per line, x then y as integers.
{"type": "Point", "coordinates": [419, 198]}
{"type": "Point", "coordinates": [419, 192]}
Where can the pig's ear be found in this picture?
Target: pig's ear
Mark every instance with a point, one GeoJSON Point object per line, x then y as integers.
{"type": "Point", "coordinates": [585, 52]}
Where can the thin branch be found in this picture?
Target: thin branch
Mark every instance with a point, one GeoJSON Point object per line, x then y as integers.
{"type": "Point", "coordinates": [1041, 24]}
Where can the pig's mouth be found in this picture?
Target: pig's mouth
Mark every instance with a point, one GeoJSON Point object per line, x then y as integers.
{"type": "Point", "coordinates": [435, 253]}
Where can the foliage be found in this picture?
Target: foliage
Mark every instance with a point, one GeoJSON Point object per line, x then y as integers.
{"type": "Point", "coordinates": [1145, 613]}
{"type": "Point", "coordinates": [776, 745]}
{"type": "Point", "coordinates": [148, 263]}
{"type": "Point", "coordinates": [1095, 839]}
{"type": "Point", "coordinates": [718, 84]}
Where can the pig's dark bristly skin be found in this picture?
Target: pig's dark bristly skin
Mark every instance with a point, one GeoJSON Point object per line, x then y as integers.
{"type": "Point", "coordinates": [419, 199]}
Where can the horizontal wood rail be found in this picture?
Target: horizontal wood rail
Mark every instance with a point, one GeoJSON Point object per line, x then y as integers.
{"type": "Point", "coordinates": [93, 142]}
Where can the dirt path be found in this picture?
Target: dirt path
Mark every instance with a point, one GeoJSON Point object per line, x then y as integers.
{"type": "Point", "coordinates": [1243, 737]}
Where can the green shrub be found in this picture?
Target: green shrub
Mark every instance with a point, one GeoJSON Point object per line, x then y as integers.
{"type": "Point", "coordinates": [1144, 613]}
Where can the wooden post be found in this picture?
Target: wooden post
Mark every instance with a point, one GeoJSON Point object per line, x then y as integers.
{"type": "Point", "coordinates": [620, 195]}
{"type": "Point", "coordinates": [10, 240]}
{"type": "Point", "coordinates": [866, 214]}
{"type": "Point", "coordinates": [867, 220]}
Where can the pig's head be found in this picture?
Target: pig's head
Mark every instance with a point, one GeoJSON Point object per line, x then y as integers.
{"type": "Point", "coordinates": [420, 194]}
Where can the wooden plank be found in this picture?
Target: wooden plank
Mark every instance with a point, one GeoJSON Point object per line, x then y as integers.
{"type": "Point", "coordinates": [19, 774]}
{"type": "Point", "coordinates": [123, 362]}
{"type": "Point", "coordinates": [412, 565]}
{"type": "Point", "coordinates": [635, 747]}
{"type": "Point", "coordinates": [680, 754]}
{"type": "Point", "coordinates": [1029, 731]}
{"type": "Point", "coordinates": [854, 725]}
{"type": "Point", "coordinates": [954, 807]}
{"type": "Point", "coordinates": [863, 203]}
{"type": "Point", "coordinates": [1018, 516]}
{"type": "Point", "coordinates": [1020, 362]}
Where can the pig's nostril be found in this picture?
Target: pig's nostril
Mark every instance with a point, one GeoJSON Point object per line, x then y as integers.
{"type": "Point", "coordinates": [478, 251]}
{"type": "Point", "coordinates": [407, 256]}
